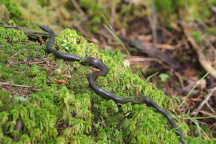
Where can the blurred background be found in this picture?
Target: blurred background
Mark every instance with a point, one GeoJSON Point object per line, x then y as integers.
{"type": "Point", "coordinates": [170, 43]}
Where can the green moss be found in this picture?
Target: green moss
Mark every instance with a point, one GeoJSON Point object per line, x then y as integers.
{"type": "Point", "coordinates": [210, 30]}
{"type": "Point", "coordinates": [194, 12]}
{"type": "Point", "coordinates": [72, 112]}
{"type": "Point", "coordinates": [213, 2]}
{"type": "Point", "coordinates": [167, 7]}
{"type": "Point", "coordinates": [44, 2]}
{"type": "Point", "coordinates": [14, 10]}
{"type": "Point", "coordinates": [198, 37]}
{"type": "Point", "coordinates": [12, 35]}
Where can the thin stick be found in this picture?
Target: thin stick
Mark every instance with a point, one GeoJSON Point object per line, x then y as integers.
{"type": "Point", "coordinates": [16, 85]}
{"type": "Point", "coordinates": [205, 63]}
{"type": "Point", "coordinates": [76, 5]}
{"type": "Point", "coordinates": [210, 107]}
{"type": "Point", "coordinates": [154, 24]}
{"type": "Point", "coordinates": [205, 101]}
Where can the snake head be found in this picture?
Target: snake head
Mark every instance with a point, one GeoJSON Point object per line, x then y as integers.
{"type": "Point", "coordinates": [46, 29]}
{"type": "Point", "coordinates": [91, 61]}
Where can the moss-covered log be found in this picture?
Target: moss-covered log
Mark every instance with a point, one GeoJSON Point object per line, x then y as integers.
{"type": "Point", "coordinates": [48, 100]}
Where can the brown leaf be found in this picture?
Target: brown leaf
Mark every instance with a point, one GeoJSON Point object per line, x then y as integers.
{"type": "Point", "coordinates": [61, 82]}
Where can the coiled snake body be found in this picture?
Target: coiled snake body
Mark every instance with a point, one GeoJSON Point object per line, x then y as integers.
{"type": "Point", "coordinates": [103, 72]}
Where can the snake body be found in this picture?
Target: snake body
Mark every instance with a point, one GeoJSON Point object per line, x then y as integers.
{"type": "Point", "coordinates": [103, 72]}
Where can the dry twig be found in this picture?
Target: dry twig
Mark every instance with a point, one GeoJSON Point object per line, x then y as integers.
{"type": "Point", "coordinates": [136, 59]}
{"type": "Point", "coordinates": [205, 63]}
{"type": "Point", "coordinates": [76, 5]}
{"type": "Point", "coordinates": [144, 47]}
{"type": "Point", "coordinates": [154, 24]}
{"type": "Point", "coordinates": [16, 85]}
{"type": "Point", "coordinates": [205, 101]}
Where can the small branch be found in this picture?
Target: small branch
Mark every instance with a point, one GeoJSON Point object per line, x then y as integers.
{"type": "Point", "coordinates": [15, 85]}
{"type": "Point", "coordinates": [210, 107]}
{"type": "Point", "coordinates": [144, 47]}
{"type": "Point", "coordinates": [205, 101]}
{"type": "Point", "coordinates": [154, 24]}
{"type": "Point", "coordinates": [113, 13]}
{"type": "Point", "coordinates": [76, 5]}
{"type": "Point", "coordinates": [204, 62]}
{"type": "Point", "coordinates": [208, 115]}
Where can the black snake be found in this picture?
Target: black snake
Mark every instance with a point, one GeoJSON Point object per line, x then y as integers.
{"type": "Point", "coordinates": [103, 72]}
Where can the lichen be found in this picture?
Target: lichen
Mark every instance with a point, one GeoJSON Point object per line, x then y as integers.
{"type": "Point", "coordinates": [70, 111]}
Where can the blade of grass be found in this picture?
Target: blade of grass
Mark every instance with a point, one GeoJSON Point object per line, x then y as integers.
{"type": "Point", "coordinates": [151, 76]}
{"type": "Point", "coordinates": [198, 82]}
{"type": "Point", "coordinates": [190, 92]}
{"type": "Point", "coordinates": [199, 129]}
{"type": "Point", "coordinates": [116, 38]}
{"type": "Point", "coordinates": [197, 118]}
{"type": "Point", "coordinates": [109, 28]}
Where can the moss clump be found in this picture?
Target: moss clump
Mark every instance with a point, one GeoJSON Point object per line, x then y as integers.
{"type": "Point", "coordinates": [12, 35]}
{"type": "Point", "coordinates": [14, 10]}
{"type": "Point", "coordinates": [44, 2]}
{"type": "Point", "coordinates": [71, 112]}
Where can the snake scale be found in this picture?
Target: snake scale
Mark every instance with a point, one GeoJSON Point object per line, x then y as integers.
{"type": "Point", "coordinates": [103, 72]}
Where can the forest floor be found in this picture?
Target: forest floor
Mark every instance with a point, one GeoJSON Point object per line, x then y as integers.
{"type": "Point", "coordinates": [172, 64]}
{"type": "Point", "coordinates": [177, 59]}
